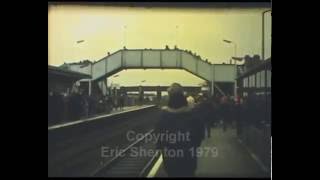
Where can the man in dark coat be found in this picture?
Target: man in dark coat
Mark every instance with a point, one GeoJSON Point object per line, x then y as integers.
{"type": "Point", "coordinates": [75, 106]}
{"type": "Point", "coordinates": [180, 122]}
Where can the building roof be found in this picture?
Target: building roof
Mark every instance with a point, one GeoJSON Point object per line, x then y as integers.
{"type": "Point", "coordinates": [57, 71]}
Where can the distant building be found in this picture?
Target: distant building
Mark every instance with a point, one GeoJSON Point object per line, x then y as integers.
{"type": "Point", "coordinates": [81, 66]}
{"type": "Point", "coordinates": [251, 62]}
{"type": "Point", "coordinates": [61, 80]}
{"type": "Point", "coordinates": [255, 79]}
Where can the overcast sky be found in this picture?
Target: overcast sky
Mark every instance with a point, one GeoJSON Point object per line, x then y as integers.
{"type": "Point", "coordinates": [108, 29]}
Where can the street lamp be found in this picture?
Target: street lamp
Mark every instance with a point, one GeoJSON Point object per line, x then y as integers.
{"type": "Point", "coordinates": [124, 35]}
{"type": "Point", "coordinates": [235, 62]}
{"type": "Point", "coordinates": [80, 41]}
{"type": "Point", "coordinates": [235, 47]}
{"type": "Point", "coordinates": [262, 52]}
{"type": "Point", "coordinates": [143, 82]}
{"type": "Point", "coordinates": [237, 58]}
{"type": "Point", "coordinates": [77, 42]}
{"type": "Point", "coordinates": [263, 58]}
{"type": "Point", "coordinates": [112, 79]}
{"type": "Point", "coordinates": [74, 56]}
{"type": "Point", "coordinates": [227, 41]}
{"type": "Point", "coordinates": [111, 83]}
{"type": "Point", "coordinates": [141, 94]}
{"type": "Point", "coordinates": [177, 28]}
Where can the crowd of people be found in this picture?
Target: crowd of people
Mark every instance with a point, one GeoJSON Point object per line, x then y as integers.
{"type": "Point", "coordinates": [77, 105]}
{"type": "Point", "coordinates": [196, 115]}
{"type": "Point", "coordinates": [189, 52]}
{"type": "Point", "coordinates": [176, 48]}
{"type": "Point", "coordinates": [228, 111]}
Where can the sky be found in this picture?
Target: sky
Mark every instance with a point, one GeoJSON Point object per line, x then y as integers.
{"type": "Point", "coordinates": [108, 29]}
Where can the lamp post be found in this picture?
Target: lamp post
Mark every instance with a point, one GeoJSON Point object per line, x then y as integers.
{"type": "Point", "coordinates": [262, 50]}
{"type": "Point", "coordinates": [235, 48]}
{"type": "Point", "coordinates": [141, 93]}
{"type": "Point", "coordinates": [112, 83]}
{"type": "Point", "coordinates": [177, 28]}
{"type": "Point", "coordinates": [112, 78]}
{"type": "Point", "coordinates": [142, 82]}
{"type": "Point", "coordinates": [263, 58]}
{"type": "Point", "coordinates": [81, 41]}
{"type": "Point", "coordinates": [124, 35]}
{"type": "Point", "coordinates": [77, 42]}
{"type": "Point", "coordinates": [235, 62]}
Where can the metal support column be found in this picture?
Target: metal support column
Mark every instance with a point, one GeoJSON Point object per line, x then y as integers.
{"type": "Point", "coordinates": [235, 82]}
{"type": "Point", "coordinates": [122, 58]}
{"type": "Point", "coordinates": [161, 59]}
{"type": "Point", "coordinates": [197, 61]}
{"type": "Point", "coordinates": [89, 87]}
{"type": "Point", "coordinates": [106, 85]}
{"type": "Point", "coordinates": [180, 59]}
{"type": "Point", "coordinates": [158, 95]}
{"type": "Point", "coordinates": [141, 58]}
{"type": "Point", "coordinates": [213, 79]}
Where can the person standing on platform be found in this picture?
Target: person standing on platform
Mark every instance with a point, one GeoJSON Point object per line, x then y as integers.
{"type": "Point", "coordinates": [224, 112]}
{"type": "Point", "coordinates": [240, 109]}
{"type": "Point", "coordinates": [205, 112]}
{"type": "Point", "coordinates": [177, 119]}
{"type": "Point", "coordinates": [85, 105]}
{"type": "Point", "coordinates": [51, 107]}
{"type": "Point", "coordinates": [121, 101]}
{"type": "Point", "coordinates": [60, 107]}
{"type": "Point", "coordinates": [75, 106]}
{"type": "Point", "coordinates": [191, 101]}
{"type": "Point", "coordinates": [116, 103]}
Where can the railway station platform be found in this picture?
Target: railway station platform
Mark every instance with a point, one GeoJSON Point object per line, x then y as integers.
{"type": "Point", "coordinates": [233, 159]}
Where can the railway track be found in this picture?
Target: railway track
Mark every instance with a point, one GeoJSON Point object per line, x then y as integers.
{"type": "Point", "coordinates": [125, 164]}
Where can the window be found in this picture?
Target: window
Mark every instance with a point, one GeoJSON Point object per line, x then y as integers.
{"type": "Point", "coordinates": [252, 81]}
{"type": "Point", "coordinates": [262, 78]}
{"type": "Point", "coordinates": [258, 75]}
{"type": "Point", "coordinates": [268, 78]}
{"type": "Point", "coordinates": [245, 82]}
